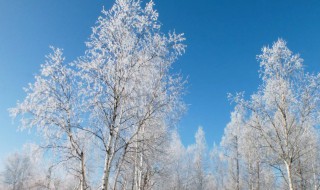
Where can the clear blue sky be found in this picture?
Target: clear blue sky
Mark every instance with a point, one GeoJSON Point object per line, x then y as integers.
{"type": "Point", "coordinates": [223, 39]}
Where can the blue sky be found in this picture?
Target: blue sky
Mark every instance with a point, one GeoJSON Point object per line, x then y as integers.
{"type": "Point", "coordinates": [223, 38]}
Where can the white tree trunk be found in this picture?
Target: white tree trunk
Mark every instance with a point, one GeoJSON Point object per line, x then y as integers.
{"type": "Point", "coordinates": [288, 167]}
{"type": "Point", "coordinates": [107, 164]}
{"type": "Point", "coordinates": [83, 173]}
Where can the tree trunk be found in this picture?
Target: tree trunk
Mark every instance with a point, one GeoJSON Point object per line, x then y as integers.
{"type": "Point", "coordinates": [106, 173]}
{"type": "Point", "coordinates": [288, 167]}
{"type": "Point", "coordinates": [107, 163]}
{"type": "Point", "coordinates": [119, 167]}
{"type": "Point", "coordinates": [258, 180]}
{"type": "Point", "coordinates": [83, 173]}
{"type": "Point", "coordinates": [237, 164]}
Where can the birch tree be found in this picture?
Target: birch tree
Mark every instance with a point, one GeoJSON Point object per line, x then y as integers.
{"type": "Point", "coordinates": [132, 96]}
{"type": "Point", "coordinates": [285, 108]}
{"type": "Point", "coordinates": [121, 97]}
{"type": "Point", "coordinates": [257, 174]}
{"type": "Point", "coordinates": [52, 106]}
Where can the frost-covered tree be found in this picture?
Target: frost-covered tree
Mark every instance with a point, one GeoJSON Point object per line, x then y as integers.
{"type": "Point", "coordinates": [193, 163]}
{"type": "Point", "coordinates": [218, 169]}
{"type": "Point", "coordinates": [230, 144]}
{"type": "Point", "coordinates": [176, 164]}
{"type": "Point", "coordinates": [186, 168]}
{"type": "Point", "coordinates": [285, 109]}
{"type": "Point", "coordinates": [53, 106]}
{"type": "Point", "coordinates": [132, 97]}
{"type": "Point", "coordinates": [256, 173]}
{"type": "Point", "coordinates": [171, 164]}
{"type": "Point", "coordinates": [18, 172]}
{"type": "Point", "coordinates": [29, 170]}
{"type": "Point", "coordinates": [200, 160]}
{"type": "Point", "coordinates": [117, 101]}
{"type": "Point", "coordinates": [243, 158]}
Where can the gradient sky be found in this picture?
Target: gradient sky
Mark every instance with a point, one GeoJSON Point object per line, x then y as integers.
{"type": "Point", "coordinates": [223, 38]}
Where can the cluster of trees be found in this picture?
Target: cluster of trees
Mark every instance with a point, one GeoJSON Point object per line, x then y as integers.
{"type": "Point", "coordinates": [273, 138]}
{"type": "Point", "coordinates": [28, 169]}
{"type": "Point", "coordinates": [108, 118]}
{"type": "Point", "coordinates": [271, 141]}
